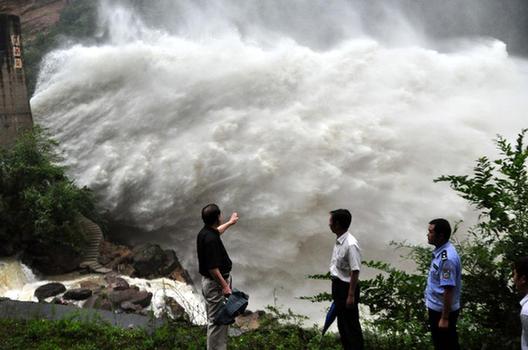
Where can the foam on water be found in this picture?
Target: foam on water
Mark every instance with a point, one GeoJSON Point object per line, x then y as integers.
{"type": "Point", "coordinates": [17, 282]}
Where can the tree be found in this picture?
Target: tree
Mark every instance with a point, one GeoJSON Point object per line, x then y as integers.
{"type": "Point", "coordinates": [499, 190]}
{"type": "Point", "coordinates": [39, 205]}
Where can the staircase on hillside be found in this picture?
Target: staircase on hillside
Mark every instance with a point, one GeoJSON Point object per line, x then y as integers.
{"type": "Point", "coordinates": [94, 235]}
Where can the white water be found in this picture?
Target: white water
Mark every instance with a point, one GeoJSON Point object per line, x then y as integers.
{"type": "Point", "coordinates": [13, 276]}
{"type": "Point", "coordinates": [281, 126]}
{"type": "Point", "coordinates": [17, 282]}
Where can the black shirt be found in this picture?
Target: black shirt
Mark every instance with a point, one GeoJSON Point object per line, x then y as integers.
{"type": "Point", "coordinates": [211, 252]}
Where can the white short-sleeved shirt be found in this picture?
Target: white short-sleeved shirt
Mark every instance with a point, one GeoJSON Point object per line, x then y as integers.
{"type": "Point", "coordinates": [524, 322]}
{"type": "Point", "coordinates": [346, 257]}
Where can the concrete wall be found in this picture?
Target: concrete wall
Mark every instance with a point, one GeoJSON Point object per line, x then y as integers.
{"type": "Point", "coordinates": [15, 112]}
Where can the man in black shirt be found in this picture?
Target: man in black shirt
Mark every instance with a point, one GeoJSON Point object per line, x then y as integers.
{"type": "Point", "coordinates": [215, 267]}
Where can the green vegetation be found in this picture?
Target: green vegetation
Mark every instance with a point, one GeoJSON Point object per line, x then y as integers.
{"type": "Point", "coordinates": [273, 334]}
{"type": "Point", "coordinates": [77, 21]}
{"type": "Point", "coordinates": [489, 319]}
{"type": "Point", "coordinates": [38, 203]}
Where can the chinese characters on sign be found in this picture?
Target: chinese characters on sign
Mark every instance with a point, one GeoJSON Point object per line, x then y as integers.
{"type": "Point", "coordinates": [17, 52]}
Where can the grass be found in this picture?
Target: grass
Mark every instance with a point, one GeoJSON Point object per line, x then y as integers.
{"type": "Point", "coordinates": [97, 335]}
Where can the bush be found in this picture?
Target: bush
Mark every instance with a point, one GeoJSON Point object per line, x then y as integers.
{"type": "Point", "coordinates": [39, 205]}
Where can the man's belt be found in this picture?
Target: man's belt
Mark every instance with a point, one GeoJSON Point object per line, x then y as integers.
{"type": "Point", "coordinates": [224, 275]}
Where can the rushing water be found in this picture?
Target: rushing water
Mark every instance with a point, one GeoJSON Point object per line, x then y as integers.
{"type": "Point", "coordinates": [17, 282]}
{"type": "Point", "coordinates": [281, 111]}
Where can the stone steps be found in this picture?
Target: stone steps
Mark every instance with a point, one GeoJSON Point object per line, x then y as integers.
{"type": "Point", "coordinates": [94, 236]}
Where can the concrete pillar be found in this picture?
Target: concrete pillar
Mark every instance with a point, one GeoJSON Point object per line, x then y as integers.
{"type": "Point", "coordinates": [15, 112]}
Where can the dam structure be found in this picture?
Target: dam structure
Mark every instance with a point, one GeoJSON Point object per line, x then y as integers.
{"type": "Point", "coordinates": [15, 111]}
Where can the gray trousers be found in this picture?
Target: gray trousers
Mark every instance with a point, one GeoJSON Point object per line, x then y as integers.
{"type": "Point", "coordinates": [214, 300]}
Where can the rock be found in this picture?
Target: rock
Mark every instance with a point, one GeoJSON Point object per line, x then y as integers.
{"type": "Point", "coordinates": [130, 307]}
{"type": "Point", "coordinates": [120, 284]}
{"type": "Point", "coordinates": [170, 262]}
{"type": "Point", "coordinates": [143, 298]}
{"type": "Point", "coordinates": [181, 275]}
{"type": "Point", "coordinates": [115, 282]}
{"type": "Point", "coordinates": [77, 294]}
{"type": "Point", "coordinates": [49, 290]}
{"type": "Point", "coordinates": [118, 296]}
{"type": "Point", "coordinates": [112, 255]}
{"type": "Point", "coordinates": [126, 269]}
{"type": "Point", "coordinates": [98, 302]}
{"type": "Point", "coordinates": [92, 285]}
{"type": "Point", "coordinates": [148, 260]}
{"type": "Point", "coordinates": [37, 17]}
{"type": "Point", "coordinates": [177, 311]}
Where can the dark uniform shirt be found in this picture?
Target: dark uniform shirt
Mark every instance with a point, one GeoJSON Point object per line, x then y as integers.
{"type": "Point", "coordinates": [211, 252]}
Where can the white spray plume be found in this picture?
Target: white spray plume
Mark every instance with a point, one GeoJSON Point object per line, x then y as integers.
{"type": "Point", "coordinates": [161, 122]}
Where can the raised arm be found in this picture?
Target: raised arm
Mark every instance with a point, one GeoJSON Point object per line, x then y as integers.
{"type": "Point", "coordinates": [232, 220]}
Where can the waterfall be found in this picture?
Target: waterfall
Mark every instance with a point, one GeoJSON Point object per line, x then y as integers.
{"type": "Point", "coordinates": [282, 112]}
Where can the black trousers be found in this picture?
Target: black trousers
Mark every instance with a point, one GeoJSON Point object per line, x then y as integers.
{"type": "Point", "coordinates": [444, 339]}
{"type": "Point", "coordinates": [347, 318]}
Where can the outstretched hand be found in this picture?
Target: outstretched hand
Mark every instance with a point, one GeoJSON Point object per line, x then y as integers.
{"type": "Point", "coordinates": [234, 218]}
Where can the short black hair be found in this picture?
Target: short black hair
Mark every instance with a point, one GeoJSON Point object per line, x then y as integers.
{"type": "Point", "coordinates": [521, 267]}
{"type": "Point", "coordinates": [210, 214]}
{"type": "Point", "coordinates": [442, 227]}
{"type": "Point", "coordinates": [342, 217]}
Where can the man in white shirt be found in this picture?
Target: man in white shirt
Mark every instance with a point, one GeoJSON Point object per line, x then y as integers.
{"type": "Point", "coordinates": [344, 271]}
{"type": "Point", "coordinates": [520, 279]}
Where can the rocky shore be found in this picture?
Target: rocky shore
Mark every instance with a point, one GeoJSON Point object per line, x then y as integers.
{"type": "Point", "coordinates": [109, 292]}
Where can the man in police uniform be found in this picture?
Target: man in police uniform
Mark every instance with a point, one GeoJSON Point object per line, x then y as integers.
{"type": "Point", "coordinates": [344, 271]}
{"type": "Point", "coordinates": [215, 268]}
{"type": "Point", "coordinates": [442, 294]}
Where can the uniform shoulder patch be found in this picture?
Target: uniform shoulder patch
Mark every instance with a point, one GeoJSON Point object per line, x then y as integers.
{"type": "Point", "coordinates": [443, 256]}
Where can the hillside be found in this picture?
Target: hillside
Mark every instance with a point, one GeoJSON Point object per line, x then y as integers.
{"type": "Point", "coordinates": [37, 16]}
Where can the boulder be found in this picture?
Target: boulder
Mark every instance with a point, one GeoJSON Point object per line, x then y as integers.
{"type": "Point", "coordinates": [126, 269]}
{"type": "Point", "coordinates": [98, 302]}
{"type": "Point", "coordinates": [115, 282]}
{"type": "Point", "coordinates": [92, 285]}
{"type": "Point", "coordinates": [118, 296]}
{"type": "Point", "coordinates": [111, 255]}
{"type": "Point", "coordinates": [170, 262]}
{"type": "Point", "coordinates": [181, 275]}
{"type": "Point", "coordinates": [49, 290]}
{"type": "Point", "coordinates": [177, 311]}
{"type": "Point", "coordinates": [143, 298]}
{"type": "Point", "coordinates": [77, 294]}
{"type": "Point", "coordinates": [130, 307]}
{"type": "Point", "coordinates": [148, 260]}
